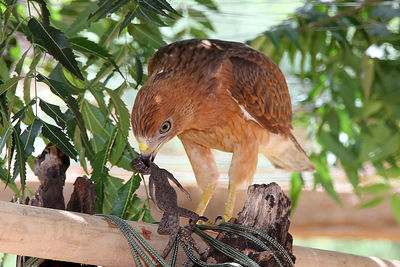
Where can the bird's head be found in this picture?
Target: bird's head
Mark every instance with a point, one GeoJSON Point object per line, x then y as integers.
{"type": "Point", "coordinates": [158, 115]}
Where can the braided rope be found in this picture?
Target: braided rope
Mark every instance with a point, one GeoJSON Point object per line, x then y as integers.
{"type": "Point", "coordinates": [245, 235]}
{"type": "Point", "coordinates": [253, 230]}
{"type": "Point", "coordinates": [226, 249]}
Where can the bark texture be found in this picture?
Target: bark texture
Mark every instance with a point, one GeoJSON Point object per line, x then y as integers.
{"type": "Point", "coordinates": [268, 209]}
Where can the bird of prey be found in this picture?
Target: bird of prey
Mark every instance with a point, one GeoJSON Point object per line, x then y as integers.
{"type": "Point", "coordinates": [215, 94]}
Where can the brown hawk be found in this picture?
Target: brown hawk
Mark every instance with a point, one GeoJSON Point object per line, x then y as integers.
{"type": "Point", "coordinates": [221, 95]}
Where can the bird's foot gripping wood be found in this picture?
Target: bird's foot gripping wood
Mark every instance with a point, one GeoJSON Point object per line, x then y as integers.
{"type": "Point", "coordinates": [164, 196]}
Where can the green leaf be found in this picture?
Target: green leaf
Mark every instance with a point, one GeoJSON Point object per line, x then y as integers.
{"type": "Point", "coordinates": [9, 84]}
{"type": "Point", "coordinates": [352, 174]}
{"type": "Point", "coordinates": [100, 170]}
{"type": "Point", "coordinates": [139, 68]}
{"type": "Point", "coordinates": [75, 134]}
{"type": "Point", "coordinates": [146, 33]}
{"type": "Point", "coordinates": [4, 178]}
{"type": "Point", "coordinates": [154, 7]}
{"type": "Point", "coordinates": [367, 76]}
{"type": "Point", "coordinates": [165, 5]}
{"type": "Point", "coordinates": [127, 157]}
{"type": "Point", "coordinates": [124, 197]}
{"type": "Point", "coordinates": [94, 119]}
{"type": "Point", "coordinates": [208, 4]}
{"type": "Point", "coordinates": [84, 45]}
{"type": "Point", "coordinates": [111, 187]}
{"type": "Point", "coordinates": [81, 21]}
{"type": "Point", "coordinates": [121, 111]}
{"type": "Point", "coordinates": [332, 144]}
{"type": "Point", "coordinates": [3, 139]}
{"type": "Point", "coordinates": [59, 138]}
{"type": "Point", "coordinates": [20, 63]}
{"type": "Point", "coordinates": [291, 32]}
{"type": "Point", "coordinates": [56, 44]}
{"type": "Point", "coordinates": [323, 177]}
{"type": "Point", "coordinates": [106, 7]}
{"type": "Point", "coordinates": [334, 121]}
{"type": "Point", "coordinates": [296, 186]}
{"type": "Point", "coordinates": [45, 11]}
{"type": "Point", "coordinates": [378, 188]}
{"type": "Point", "coordinates": [136, 212]}
{"type": "Point", "coordinates": [127, 20]}
{"type": "Point", "coordinates": [20, 161]}
{"type": "Point", "coordinates": [59, 75]}
{"type": "Point", "coordinates": [54, 112]}
{"type": "Point", "coordinates": [61, 90]}
{"type": "Point", "coordinates": [274, 36]}
{"type": "Point", "coordinates": [29, 135]}
{"type": "Point", "coordinates": [147, 216]}
{"type": "Point", "coordinates": [22, 112]}
{"type": "Point", "coordinates": [392, 172]}
{"type": "Point", "coordinates": [118, 148]}
{"type": "Point", "coordinates": [372, 203]}
{"type": "Point", "coordinates": [395, 205]}
{"type": "Point", "coordinates": [27, 89]}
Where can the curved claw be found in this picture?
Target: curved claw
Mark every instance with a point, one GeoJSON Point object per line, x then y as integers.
{"type": "Point", "coordinates": [203, 218]}
{"type": "Point", "coordinates": [219, 219]}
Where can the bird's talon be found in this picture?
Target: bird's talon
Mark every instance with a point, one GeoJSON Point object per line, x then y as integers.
{"type": "Point", "coordinates": [203, 218]}
{"type": "Point", "coordinates": [219, 219]}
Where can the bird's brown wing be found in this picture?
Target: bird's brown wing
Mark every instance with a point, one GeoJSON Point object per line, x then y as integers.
{"type": "Point", "coordinates": [260, 89]}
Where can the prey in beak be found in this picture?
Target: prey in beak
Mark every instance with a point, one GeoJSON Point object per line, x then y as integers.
{"type": "Point", "coordinates": [146, 153]}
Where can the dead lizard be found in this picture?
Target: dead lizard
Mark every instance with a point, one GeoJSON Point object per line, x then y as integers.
{"type": "Point", "coordinates": [164, 196]}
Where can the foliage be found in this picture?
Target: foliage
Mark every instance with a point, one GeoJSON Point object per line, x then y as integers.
{"type": "Point", "coordinates": [348, 53]}
{"type": "Point", "coordinates": [88, 56]}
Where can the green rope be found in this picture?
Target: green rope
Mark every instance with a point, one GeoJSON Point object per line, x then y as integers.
{"type": "Point", "coordinates": [128, 231]}
{"type": "Point", "coordinates": [253, 230]}
{"type": "Point", "coordinates": [226, 249]}
{"type": "Point", "coordinates": [193, 258]}
{"type": "Point", "coordinates": [174, 253]}
{"type": "Point", "coordinates": [33, 262]}
{"type": "Point", "coordinates": [244, 234]}
{"type": "Point", "coordinates": [140, 253]}
{"type": "Point", "coordinates": [229, 251]}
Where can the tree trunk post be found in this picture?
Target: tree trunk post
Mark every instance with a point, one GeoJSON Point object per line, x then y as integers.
{"type": "Point", "coordinates": [268, 209]}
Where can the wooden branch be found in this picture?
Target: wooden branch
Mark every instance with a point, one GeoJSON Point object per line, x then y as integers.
{"type": "Point", "coordinates": [76, 237]}
{"type": "Point", "coordinates": [316, 215]}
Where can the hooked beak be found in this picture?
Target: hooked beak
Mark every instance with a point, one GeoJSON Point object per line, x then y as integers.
{"type": "Point", "coordinates": [146, 153]}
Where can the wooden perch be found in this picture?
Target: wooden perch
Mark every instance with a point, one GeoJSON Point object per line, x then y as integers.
{"type": "Point", "coordinates": [77, 237]}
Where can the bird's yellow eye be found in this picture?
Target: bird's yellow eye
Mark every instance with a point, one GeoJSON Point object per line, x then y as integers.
{"type": "Point", "coordinates": [165, 127]}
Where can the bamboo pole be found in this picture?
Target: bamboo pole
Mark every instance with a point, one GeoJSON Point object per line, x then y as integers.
{"type": "Point", "coordinates": [77, 237]}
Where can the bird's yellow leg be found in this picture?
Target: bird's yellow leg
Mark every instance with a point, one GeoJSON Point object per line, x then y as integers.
{"type": "Point", "coordinates": [205, 198]}
{"type": "Point", "coordinates": [241, 171]}
{"type": "Point", "coordinates": [230, 203]}
{"type": "Point", "coordinates": [205, 169]}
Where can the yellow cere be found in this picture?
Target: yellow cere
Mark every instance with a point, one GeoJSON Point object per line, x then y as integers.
{"type": "Point", "coordinates": [143, 147]}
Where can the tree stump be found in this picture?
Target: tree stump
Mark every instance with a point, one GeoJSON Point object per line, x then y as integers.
{"type": "Point", "coordinates": [268, 209]}
{"type": "Point", "coordinates": [50, 166]}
